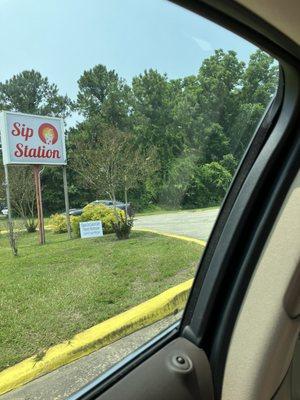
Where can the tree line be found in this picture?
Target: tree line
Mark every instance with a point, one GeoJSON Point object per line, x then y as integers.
{"type": "Point", "coordinates": [173, 142]}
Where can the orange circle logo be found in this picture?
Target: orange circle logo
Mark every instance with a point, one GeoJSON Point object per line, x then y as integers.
{"type": "Point", "coordinates": [48, 133]}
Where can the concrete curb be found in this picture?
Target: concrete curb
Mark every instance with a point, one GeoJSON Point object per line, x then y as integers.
{"type": "Point", "coordinates": [107, 332]}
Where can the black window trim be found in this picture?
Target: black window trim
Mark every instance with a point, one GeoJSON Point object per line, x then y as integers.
{"type": "Point", "coordinates": [228, 268]}
{"type": "Point", "coordinates": [216, 298]}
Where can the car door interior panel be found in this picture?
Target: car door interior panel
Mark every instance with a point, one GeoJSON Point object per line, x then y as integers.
{"type": "Point", "coordinates": [180, 371]}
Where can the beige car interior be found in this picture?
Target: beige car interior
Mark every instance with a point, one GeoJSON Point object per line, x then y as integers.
{"type": "Point", "coordinates": [264, 356]}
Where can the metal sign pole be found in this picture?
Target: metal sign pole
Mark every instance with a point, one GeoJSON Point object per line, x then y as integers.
{"type": "Point", "coordinates": [67, 201]}
{"type": "Point", "coordinates": [39, 203]}
{"type": "Point", "coordinates": [12, 240]}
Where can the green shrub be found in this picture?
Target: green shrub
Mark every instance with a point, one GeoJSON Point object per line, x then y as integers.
{"type": "Point", "coordinates": [75, 225]}
{"type": "Point", "coordinates": [208, 186]}
{"type": "Point", "coordinates": [30, 225]}
{"type": "Point", "coordinates": [98, 212]}
{"type": "Point", "coordinates": [123, 227]}
{"type": "Point", "coordinates": [58, 223]}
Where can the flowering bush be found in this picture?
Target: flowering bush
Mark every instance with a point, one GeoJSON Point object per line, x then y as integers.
{"type": "Point", "coordinates": [58, 223]}
{"type": "Point", "coordinates": [97, 212]}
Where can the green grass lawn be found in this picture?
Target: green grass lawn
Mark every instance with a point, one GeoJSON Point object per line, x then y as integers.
{"type": "Point", "coordinates": [17, 223]}
{"type": "Point", "coordinates": [49, 293]}
{"type": "Point", "coordinates": [3, 223]}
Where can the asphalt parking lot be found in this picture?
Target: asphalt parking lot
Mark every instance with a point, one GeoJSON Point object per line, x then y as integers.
{"type": "Point", "coordinates": [194, 223]}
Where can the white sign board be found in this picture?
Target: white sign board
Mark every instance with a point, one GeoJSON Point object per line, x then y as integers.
{"type": "Point", "coordinates": [90, 229]}
{"type": "Point", "coordinates": [32, 139]}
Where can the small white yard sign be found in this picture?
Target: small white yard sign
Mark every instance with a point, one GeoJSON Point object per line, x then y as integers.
{"type": "Point", "coordinates": [90, 229]}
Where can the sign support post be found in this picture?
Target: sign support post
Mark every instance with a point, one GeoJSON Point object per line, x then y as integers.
{"type": "Point", "coordinates": [12, 239]}
{"type": "Point", "coordinates": [67, 201]}
{"type": "Point", "coordinates": [39, 204]}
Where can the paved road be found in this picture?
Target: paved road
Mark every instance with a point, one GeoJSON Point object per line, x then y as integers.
{"type": "Point", "coordinates": [193, 223]}
{"type": "Point", "coordinates": [63, 382]}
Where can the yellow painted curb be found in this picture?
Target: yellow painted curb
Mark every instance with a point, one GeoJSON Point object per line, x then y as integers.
{"type": "Point", "coordinates": [172, 235]}
{"type": "Point", "coordinates": [107, 332]}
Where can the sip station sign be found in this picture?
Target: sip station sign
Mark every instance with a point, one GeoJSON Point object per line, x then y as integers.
{"type": "Point", "coordinates": [33, 140]}
{"type": "Point", "coordinates": [30, 139]}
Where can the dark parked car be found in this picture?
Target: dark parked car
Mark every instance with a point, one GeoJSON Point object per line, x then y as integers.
{"type": "Point", "coordinates": [108, 203]}
{"type": "Point", "coordinates": [75, 211]}
{"type": "Point", "coordinates": [119, 204]}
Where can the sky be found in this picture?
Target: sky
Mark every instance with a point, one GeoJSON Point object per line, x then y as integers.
{"type": "Point", "coordinates": [62, 38]}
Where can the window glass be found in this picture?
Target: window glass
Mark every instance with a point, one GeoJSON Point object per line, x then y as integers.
{"type": "Point", "coordinates": [158, 106]}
